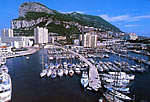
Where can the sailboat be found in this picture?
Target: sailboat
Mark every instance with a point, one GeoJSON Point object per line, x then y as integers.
{"type": "Point", "coordinates": [5, 87]}
{"type": "Point", "coordinates": [60, 71]}
{"type": "Point", "coordinates": [84, 79]}
{"type": "Point", "coordinates": [44, 70]}
{"type": "Point", "coordinates": [54, 74]}
{"type": "Point", "coordinates": [71, 72]}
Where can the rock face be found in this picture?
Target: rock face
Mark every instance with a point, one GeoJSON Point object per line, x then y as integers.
{"type": "Point", "coordinates": [17, 24]}
{"type": "Point", "coordinates": [32, 14]}
{"type": "Point", "coordinates": [32, 7]}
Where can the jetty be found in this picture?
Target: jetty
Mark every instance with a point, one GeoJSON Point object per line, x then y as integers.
{"type": "Point", "coordinates": [23, 53]}
{"type": "Point", "coordinates": [94, 79]}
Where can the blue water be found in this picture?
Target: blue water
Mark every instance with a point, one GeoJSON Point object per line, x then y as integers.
{"type": "Point", "coordinates": [29, 87]}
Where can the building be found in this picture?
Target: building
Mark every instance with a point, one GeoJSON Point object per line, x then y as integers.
{"type": "Point", "coordinates": [7, 33]}
{"type": "Point", "coordinates": [88, 39]}
{"type": "Point", "coordinates": [41, 35]}
{"type": "Point", "coordinates": [51, 39]}
{"type": "Point", "coordinates": [58, 38]}
{"type": "Point", "coordinates": [76, 42]}
{"type": "Point", "coordinates": [130, 36]}
{"type": "Point", "coordinates": [5, 50]}
{"type": "Point", "coordinates": [18, 42]}
{"type": "Point", "coordinates": [93, 40]}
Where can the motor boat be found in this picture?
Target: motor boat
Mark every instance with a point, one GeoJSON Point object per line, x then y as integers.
{"type": "Point", "coordinates": [84, 79]}
{"type": "Point", "coordinates": [71, 72]}
{"type": "Point", "coordinates": [5, 87]}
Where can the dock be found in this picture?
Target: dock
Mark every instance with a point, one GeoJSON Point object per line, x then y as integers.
{"type": "Point", "coordinates": [94, 79]}
{"type": "Point", "coordinates": [23, 53]}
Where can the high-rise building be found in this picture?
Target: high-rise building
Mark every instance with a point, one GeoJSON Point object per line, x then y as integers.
{"type": "Point", "coordinates": [93, 40]}
{"type": "Point", "coordinates": [7, 32]}
{"type": "Point", "coordinates": [88, 39]}
{"type": "Point", "coordinates": [41, 35]}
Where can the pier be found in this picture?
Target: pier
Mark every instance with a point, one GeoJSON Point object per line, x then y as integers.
{"type": "Point", "coordinates": [94, 79]}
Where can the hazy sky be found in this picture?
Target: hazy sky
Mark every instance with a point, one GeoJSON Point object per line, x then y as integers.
{"type": "Point", "coordinates": [128, 15]}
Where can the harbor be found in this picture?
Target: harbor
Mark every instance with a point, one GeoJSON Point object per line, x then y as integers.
{"type": "Point", "coordinates": [58, 52]}
{"type": "Point", "coordinates": [101, 77]}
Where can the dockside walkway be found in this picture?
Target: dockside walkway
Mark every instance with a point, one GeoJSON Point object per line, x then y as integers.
{"type": "Point", "coordinates": [94, 79]}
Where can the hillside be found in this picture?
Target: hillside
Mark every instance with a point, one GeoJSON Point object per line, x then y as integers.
{"type": "Point", "coordinates": [32, 14]}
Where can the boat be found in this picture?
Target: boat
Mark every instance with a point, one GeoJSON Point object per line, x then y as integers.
{"type": "Point", "coordinates": [65, 71]}
{"type": "Point", "coordinates": [119, 95]}
{"type": "Point", "coordinates": [54, 74]}
{"type": "Point", "coordinates": [43, 73]}
{"type": "Point", "coordinates": [5, 87]}
{"type": "Point", "coordinates": [4, 68]}
{"type": "Point", "coordinates": [84, 79]}
{"type": "Point", "coordinates": [77, 70]}
{"type": "Point", "coordinates": [71, 72]}
{"type": "Point", "coordinates": [111, 98]}
{"type": "Point", "coordinates": [3, 60]}
{"type": "Point", "coordinates": [27, 57]}
{"type": "Point", "coordinates": [49, 72]}
{"type": "Point", "coordinates": [60, 72]}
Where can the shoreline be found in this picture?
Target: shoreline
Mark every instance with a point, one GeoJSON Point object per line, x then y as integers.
{"type": "Point", "coordinates": [24, 53]}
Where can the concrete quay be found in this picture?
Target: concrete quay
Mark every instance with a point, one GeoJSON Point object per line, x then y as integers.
{"type": "Point", "coordinates": [24, 53]}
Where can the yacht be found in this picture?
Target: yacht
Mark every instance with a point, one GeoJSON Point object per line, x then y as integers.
{"type": "Point", "coordinates": [54, 74]}
{"type": "Point", "coordinates": [3, 60]}
{"type": "Point", "coordinates": [4, 68]}
{"type": "Point", "coordinates": [27, 57]}
{"type": "Point", "coordinates": [43, 73]}
{"type": "Point", "coordinates": [84, 79]}
{"type": "Point", "coordinates": [5, 87]}
{"type": "Point", "coordinates": [49, 72]}
{"type": "Point", "coordinates": [60, 72]}
{"type": "Point", "coordinates": [65, 71]}
{"type": "Point", "coordinates": [77, 70]}
{"type": "Point", "coordinates": [71, 72]}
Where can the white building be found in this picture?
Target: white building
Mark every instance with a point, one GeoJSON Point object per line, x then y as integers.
{"type": "Point", "coordinates": [89, 39]}
{"type": "Point", "coordinates": [18, 42]}
{"type": "Point", "coordinates": [7, 33]}
{"type": "Point", "coordinates": [41, 35]}
{"type": "Point", "coordinates": [130, 36]}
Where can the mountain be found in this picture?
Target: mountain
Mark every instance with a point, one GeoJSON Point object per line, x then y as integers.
{"type": "Point", "coordinates": [33, 14]}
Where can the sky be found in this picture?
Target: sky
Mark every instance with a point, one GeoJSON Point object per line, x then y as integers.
{"type": "Point", "coordinates": [128, 15]}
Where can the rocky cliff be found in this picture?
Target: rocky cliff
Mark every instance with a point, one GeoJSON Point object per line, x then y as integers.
{"type": "Point", "coordinates": [32, 7]}
{"type": "Point", "coordinates": [32, 14]}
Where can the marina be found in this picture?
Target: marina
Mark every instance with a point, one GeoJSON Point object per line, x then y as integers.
{"type": "Point", "coordinates": [111, 77]}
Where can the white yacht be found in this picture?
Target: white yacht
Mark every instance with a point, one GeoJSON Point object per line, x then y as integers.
{"type": "Point", "coordinates": [5, 87]}
{"type": "Point", "coordinates": [60, 72]}
{"type": "Point", "coordinates": [27, 57]}
{"type": "Point", "coordinates": [54, 74]}
{"type": "Point", "coordinates": [65, 71]}
{"type": "Point", "coordinates": [84, 79]}
{"type": "Point", "coordinates": [3, 60]}
{"type": "Point", "coordinates": [43, 73]}
{"type": "Point", "coordinates": [71, 72]}
{"type": "Point", "coordinates": [49, 72]}
{"type": "Point", "coordinates": [4, 68]}
{"type": "Point", "coordinates": [77, 70]}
